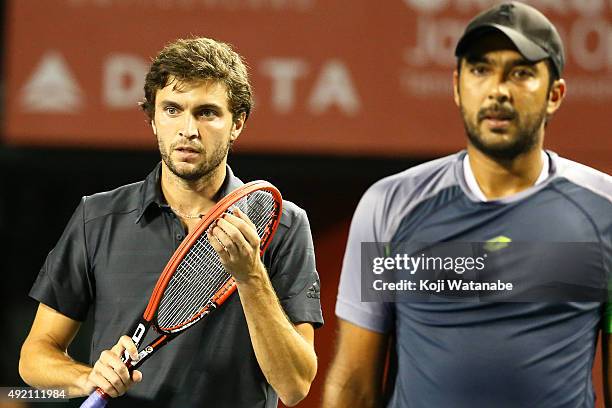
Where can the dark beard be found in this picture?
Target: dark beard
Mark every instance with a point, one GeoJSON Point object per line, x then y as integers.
{"type": "Point", "coordinates": [526, 139]}
{"type": "Point", "coordinates": [202, 172]}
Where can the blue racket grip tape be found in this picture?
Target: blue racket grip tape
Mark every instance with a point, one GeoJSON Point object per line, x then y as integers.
{"type": "Point", "coordinates": [95, 400]}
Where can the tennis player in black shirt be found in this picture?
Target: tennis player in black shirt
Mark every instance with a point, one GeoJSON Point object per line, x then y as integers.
{"type": "Point", "coordinates": [259, 345]}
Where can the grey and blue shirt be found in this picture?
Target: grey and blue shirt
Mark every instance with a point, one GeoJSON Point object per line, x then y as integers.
{"type": "Point", "coordinates": [483, 354]}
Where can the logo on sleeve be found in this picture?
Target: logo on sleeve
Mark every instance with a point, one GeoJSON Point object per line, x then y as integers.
{"type": "Point", "coordinates": [314, 291]}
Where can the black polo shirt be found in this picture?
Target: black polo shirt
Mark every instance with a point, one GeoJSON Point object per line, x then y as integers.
{"type": "Point", "coordinates": [109, 258]}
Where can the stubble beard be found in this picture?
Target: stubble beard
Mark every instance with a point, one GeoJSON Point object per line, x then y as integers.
{"type": "Point", "coordinates": [203, 170]}
{"type": "Point", "coordinates": [527, 137]}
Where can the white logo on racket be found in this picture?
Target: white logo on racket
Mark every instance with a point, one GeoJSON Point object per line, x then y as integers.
{"type": "Point", "coordinates": [136, 339]}
{"type": "Point", "coordinates": [138, 333]}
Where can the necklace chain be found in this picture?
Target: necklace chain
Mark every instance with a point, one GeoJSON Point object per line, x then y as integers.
{"type": "Point", "coordinates": [188, 216]}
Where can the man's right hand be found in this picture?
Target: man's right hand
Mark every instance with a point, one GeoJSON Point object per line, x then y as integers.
{"type": "Point", "coordinates": [110, 374]}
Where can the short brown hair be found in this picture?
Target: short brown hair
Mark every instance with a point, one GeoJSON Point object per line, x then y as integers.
{"type": "Point", "coordinates": [199, 59]}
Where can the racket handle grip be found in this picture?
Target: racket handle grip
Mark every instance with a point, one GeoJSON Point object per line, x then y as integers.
{"type": "Point", "coordinates": [96, 399]}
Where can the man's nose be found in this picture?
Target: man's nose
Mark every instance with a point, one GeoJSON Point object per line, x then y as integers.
{"type": "Point", "coordinates": [189, 128]}
{"type": "Point", "coordinates": [500, 91]}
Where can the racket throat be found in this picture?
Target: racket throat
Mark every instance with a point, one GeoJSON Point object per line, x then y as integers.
{"type": "Point", "coordinates": [150, 349]}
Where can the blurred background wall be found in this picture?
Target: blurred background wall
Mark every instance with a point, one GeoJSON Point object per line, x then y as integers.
{"type": "Point", "coordinates": [347, 92]}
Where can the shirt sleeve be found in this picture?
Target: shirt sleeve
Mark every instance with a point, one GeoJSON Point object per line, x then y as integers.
{"type": "Point", "coordinates": [375, 316]}
{"type": "Point", "coordinates": [64, 282]}
{"type": "Point", "coordinates": [292, 268]}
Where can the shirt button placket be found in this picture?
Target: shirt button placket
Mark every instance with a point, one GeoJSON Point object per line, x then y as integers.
{"type": "Point", "coordinates": [179, 232]}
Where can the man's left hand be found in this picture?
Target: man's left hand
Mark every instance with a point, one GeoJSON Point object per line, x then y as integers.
{"type": "Point", "coordinates": [235, 239]}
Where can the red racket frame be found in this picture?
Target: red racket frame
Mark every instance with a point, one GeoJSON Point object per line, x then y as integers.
{"type": "Point", "coordinates": [217, 211]}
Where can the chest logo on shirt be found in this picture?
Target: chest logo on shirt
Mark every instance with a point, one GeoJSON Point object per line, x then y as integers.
{"type": "Point", "coordinates": [497, 243]}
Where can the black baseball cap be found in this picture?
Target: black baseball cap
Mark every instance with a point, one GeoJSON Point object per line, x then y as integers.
{"type": "Point", "coordinates": [534, 36]}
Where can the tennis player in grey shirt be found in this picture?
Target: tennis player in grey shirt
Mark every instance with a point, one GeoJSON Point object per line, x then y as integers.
{"type": "Point", "coordinates": [504, 188]}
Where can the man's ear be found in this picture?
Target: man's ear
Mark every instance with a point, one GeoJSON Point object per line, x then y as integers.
{"type": "Point", "coordinates": [153, 127]}
{"type": "Point", "coordinates": [456, 87]}
{"type": "Point", "coordinates": [238, 126]}
{"type": "Point", "coordinates": [556, 96]}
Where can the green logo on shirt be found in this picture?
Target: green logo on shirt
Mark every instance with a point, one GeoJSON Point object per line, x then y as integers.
{"type": "Point", "coordinates": [497, 243]}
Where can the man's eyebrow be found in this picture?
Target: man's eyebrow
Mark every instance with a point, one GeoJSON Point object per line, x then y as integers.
{"type": "Point", "coordinates": [477, 59]}
{"type": "Point", "coordinates": [208, 106]}
{"type": "Point", "coordinates": [523, 62]}
{"type": "Point", "coordinates": [167, 102]}
{"type": "Point", "coordinates": [481, 59]}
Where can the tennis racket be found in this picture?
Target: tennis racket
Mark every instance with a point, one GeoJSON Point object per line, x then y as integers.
{"type": "Point", "coordinates": [194, 282]}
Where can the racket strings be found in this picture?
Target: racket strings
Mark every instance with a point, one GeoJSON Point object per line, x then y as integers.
{"type": "Point", "coordinates": [260, 207]}
{"type": "Point", "coordinates": [192, 285]}
{"type": "Point", "coordinates": [200, 274]}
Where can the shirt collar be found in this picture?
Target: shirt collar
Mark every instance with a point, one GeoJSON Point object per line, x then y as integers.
{"type": "Point", "coordinates": [151, 189]}
{"type": "Point", "coordinates": [472, 184]}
